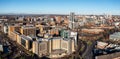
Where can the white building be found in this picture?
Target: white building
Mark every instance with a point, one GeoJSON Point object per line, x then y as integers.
{"type": "Point", "coordinates": [115, 36]}
{"type": "Point", "coordinates": [5, 29]}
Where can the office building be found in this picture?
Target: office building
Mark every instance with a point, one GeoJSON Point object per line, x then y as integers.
{"type": "Point", "coordinates": [12, 28]}
{"type": "Point", "coordinates": [69, 34]}
{"type": "Point", "coordinates": [115, 36]}
{"type": "Point", "coordinates": [53, 31]}
{"type": "Point", "coordinates": [53, 47]}
{"type": "Point", "coordinates": [71, 21]}
{"type": "Point", "coordinates": [40, 47]}
{"type": "Point", "coordinates": [59, 47]}
{"type": "Point", "coordinates": [26, 42]}
{"type": "Point", "coordinates": [5, 29]}
{"type": "Point", "coordinates": [13, 32]}
{"type": "Point", "coordinates": [40, 28]}
{"type": "Point", "coordinates": [28, 31]}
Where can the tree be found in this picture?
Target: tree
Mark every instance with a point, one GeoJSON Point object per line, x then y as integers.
{"type": "Point", "coordinates": [22, 57]}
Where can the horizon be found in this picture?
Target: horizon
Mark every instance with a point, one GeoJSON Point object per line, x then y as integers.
{"type": "Point", "coordinates": [82, 7]}
{"type": "Point", "coordinates": [51, 14]}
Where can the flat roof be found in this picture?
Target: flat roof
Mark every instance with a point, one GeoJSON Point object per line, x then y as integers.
{"type": "Point", "coordinates": [92, 30]}
{"type": "Point", "coordinates": [105, 27]}
{"type": "Point", "coordinates": [115, 35]}
{"type": "Point", "coordinates": [25, 37]}
{"type": "Point", "coordinates": [57, 38]}
{"type": "Point", "coordinates": [58, 51]}
{"type": "Point", "coordinates": [42, 39]}
{"type": "Point", "coordinates": [26, 27]}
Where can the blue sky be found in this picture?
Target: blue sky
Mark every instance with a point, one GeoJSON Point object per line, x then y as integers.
{"type": "Point", "coordinates": [60, 6]}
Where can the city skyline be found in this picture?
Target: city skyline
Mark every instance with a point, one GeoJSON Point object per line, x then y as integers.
{"type": "Point", "coordinates": [60, 6]}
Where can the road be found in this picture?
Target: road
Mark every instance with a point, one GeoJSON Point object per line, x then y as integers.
{"type": "Point", "coordinates": [85, 44]}
{"type": "Point", "coordinates": [88, 52]}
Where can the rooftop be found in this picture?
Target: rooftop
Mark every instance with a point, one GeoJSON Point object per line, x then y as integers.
{"type": "Point", "coordinates": [57, 38]}
{"type": "Point", "coordinates": [26, 27]}
{"type": "Point", "coordinates": [25, 37]}
{"type": "Point", "coordinates": [104, 27]}
{"type": "Point", "coordinates": [115, 35]}
{"type": "Point", "coordinates": [97, 31]}
{"type": "Point", "coordinates": [58, 51]}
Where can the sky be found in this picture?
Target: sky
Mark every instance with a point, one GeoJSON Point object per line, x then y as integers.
{"type": "Point", "coordinates": [60, 6]}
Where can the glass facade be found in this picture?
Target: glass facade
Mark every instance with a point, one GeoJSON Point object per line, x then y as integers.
{"type": "Point", "coordinates": [23, 42]}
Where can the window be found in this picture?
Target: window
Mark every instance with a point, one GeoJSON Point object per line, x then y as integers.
{"type": "Point", "coordinates": [23, 42]}
{"type": "Point", "coordinates": [30, 44]}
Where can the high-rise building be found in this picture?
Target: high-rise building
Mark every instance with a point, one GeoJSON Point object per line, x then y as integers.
{"type": "Point", "coordinates": [53, 47]}
{"type": "Point", "coordinates": [69, 34]}
{"type": "Point", "coordinates": [26, 42]}
{"type": "Point", "coordinates": [12, 31]}
{"type": "Point", "coordinates": [60, 46]}
{"type": "Point", "coordinates": [28, 31]}
{"type": "Point", "coordinates": [40, 48]}
{"type": "Point", "coordinates": [5, 29]}
{"type": "Point", "coordinates": [71, 21]}
{"type": "Point", "coordinates": [13, 28]}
